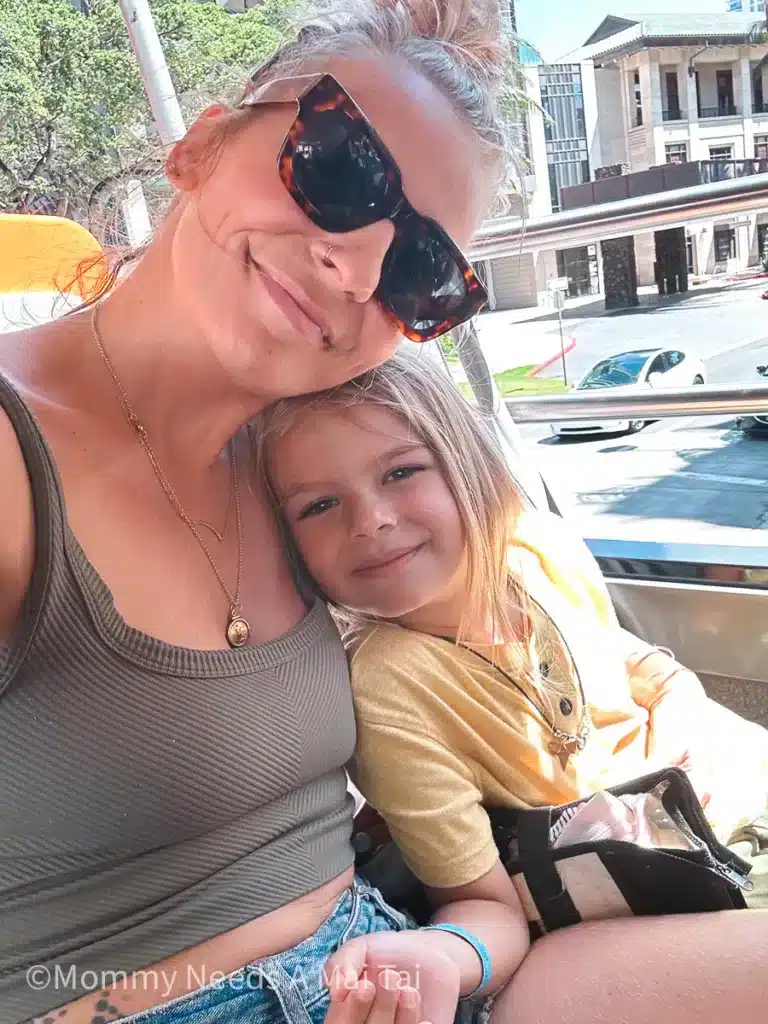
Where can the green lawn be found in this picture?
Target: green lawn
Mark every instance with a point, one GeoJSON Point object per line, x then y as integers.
{"type": "Point", "coordinates": [516, 384]}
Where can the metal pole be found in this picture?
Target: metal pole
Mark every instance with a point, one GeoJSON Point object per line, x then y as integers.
{"type": "Point", "coordinates": [154, 71]}
{"type": "Point", "coordinates": [506, 236]}
{"type": "Point", "coordinates": [663, 403]}
{"type": "Point", "coordinates": [561, 299]}
{"type": "Point", "coordinates": [491, 404]}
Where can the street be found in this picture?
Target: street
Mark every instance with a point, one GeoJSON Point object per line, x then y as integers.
{"type": "Point", "coordinates": [689, 479]}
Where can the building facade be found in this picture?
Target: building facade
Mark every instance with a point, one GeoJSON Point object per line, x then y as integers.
{"type": "Point", "coordinates": [686, 89]}
{"type": "Point", "coordinates": [561, 106]}
{"type": "Point", "coordinates": [646, 93]}
{"type": "Point", "coordinates": [753, 6]}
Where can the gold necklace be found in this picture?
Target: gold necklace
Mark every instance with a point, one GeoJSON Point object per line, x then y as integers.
{"type": "Point", "coordinates": [238, 631]}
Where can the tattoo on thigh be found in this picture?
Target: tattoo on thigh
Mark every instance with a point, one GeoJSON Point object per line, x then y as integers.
{"type": "Point", "coordinates": [105, 1011]}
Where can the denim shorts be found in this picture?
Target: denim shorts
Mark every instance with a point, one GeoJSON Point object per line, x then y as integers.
{"type": "Point", "coordinates": [290, 988]}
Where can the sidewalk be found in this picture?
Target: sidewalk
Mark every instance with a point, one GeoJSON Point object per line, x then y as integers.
{"type": "Point", "coordinates": [530, 337]}
{"type": "Point", "coordinates": [589, 306]}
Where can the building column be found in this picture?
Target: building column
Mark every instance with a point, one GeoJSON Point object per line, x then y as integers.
{"type": "Point", "coordinates": [743, 245]}
{"type": "Point", "coordinates": [745, 69]}
{"type": "Point", "coordinates": [619, 272]}
{"type": "Point", "coordinates": [589, 91]}
{"type": "Point", "coordinates": [657, 109]}
{"type": "Point", "coordinates": [695, 150]}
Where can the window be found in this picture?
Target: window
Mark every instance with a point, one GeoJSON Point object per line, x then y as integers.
{"type": "Point", "coordinates": [676, 152]}
{"type": "Point", "coordinates": [725, 245]}
{"type": "Point", "coordinates": [761, 147]}
{"type": "Point", "coordinates": [672, 112]}
{"type": "Point", "coordinates": [554, 190]}
{"type": "Point", "coordinates": [725, 104]}
{"type": "Point", "coordinates": [721, 152]}
{"type": "Point", "coordinates": [659, 365]}
{"type": "Point", "coordinates": [675, 359]}
{"type": "Point", "coordinates": [638, 100]}
{"type": "Point", "coordinates": [758, 100]}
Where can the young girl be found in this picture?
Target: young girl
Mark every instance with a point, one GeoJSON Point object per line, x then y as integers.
{"type": "Point", "coordinates": [488, 665]}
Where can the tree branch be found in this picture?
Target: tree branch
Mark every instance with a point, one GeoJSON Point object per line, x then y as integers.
{"type": "Point", "coordinates": [49, 133]}
{"type": "Point", "coordinates": [5, 169]}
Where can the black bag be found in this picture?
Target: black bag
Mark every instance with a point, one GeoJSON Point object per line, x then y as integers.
{"type": "Point", "coordinates": [613, 878]}
{"type": "Point", "coordinates": [589, 881]}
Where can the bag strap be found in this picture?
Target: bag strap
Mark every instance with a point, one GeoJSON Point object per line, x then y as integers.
{"type": "Point", "coordinates": [552, 899]}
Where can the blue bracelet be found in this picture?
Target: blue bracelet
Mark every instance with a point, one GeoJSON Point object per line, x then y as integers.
{"type": "Point", "coordinates": [474, 942]}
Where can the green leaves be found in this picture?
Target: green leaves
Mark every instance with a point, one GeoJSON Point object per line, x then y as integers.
{"type": "Point", "coordinates": [74, 119]}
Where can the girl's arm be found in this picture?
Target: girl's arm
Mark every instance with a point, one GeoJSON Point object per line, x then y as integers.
{"type": "Point", "coordinates": [490, 909]}
{"type": "Point", "coordinates": [671, 693]}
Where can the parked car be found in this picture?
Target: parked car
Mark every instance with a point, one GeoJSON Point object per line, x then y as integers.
{"type": "Point", "coordinates": [755, 424]}
{"type": "Point", "coordinates": [631, 371]}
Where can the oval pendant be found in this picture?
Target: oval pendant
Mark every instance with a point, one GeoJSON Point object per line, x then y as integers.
{"type": "Point", "coordinates": [238, 632]}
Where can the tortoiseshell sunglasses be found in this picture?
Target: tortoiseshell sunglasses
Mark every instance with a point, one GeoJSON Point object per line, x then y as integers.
{"type": "Point", "coordinates": [343, 177]}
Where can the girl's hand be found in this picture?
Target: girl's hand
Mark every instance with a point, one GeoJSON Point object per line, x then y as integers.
{"type": "Point", "coordinates": [385, 1001]}
{"type": "Point", "coordinates": [410, 961]}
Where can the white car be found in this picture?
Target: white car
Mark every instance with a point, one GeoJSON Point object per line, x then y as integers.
{"type": "Point", "coordinates": [628, 372]}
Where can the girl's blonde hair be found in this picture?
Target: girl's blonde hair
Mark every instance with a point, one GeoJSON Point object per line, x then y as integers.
{"type": "Point", "coordinates": [463, 441]}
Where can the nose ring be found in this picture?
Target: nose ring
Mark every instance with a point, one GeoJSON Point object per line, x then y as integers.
{"type": "Point", "coordinates": [326, 260]}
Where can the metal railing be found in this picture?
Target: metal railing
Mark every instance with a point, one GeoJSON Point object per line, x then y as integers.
{"type": "Point", "coordinates": [508, 236]}
{"type": "Point", "coordinates": [724, 110]}
{"type": "Point", "coordinates": [727, 170]}
{"type": "Point", "coordinates": [704, 400]}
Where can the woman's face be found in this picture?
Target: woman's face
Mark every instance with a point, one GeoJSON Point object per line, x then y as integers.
{"type": "Point", "coordinates": [250, 267]}
{"type": "Point", "coordinates": [370, 511]}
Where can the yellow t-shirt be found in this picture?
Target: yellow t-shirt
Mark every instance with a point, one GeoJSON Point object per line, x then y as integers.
{"type": "Point", "coordinates": [441, 733]}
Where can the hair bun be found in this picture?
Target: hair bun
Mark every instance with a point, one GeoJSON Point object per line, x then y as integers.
{"type": "Point", "coordinates": [479, 30]}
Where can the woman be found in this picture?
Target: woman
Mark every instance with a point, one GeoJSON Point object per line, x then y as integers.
{"type": "Point", "coordinates": [175, 718]}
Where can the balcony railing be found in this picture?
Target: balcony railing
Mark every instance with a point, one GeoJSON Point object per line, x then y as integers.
{"type": "Point", "coordinates": [726, 170]}
{"type": "Point", "coordinates": [674, 114]}
{"type": "Point", "coordinates": [722, 110]}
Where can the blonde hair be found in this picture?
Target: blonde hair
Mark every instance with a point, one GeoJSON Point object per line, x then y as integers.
{"type": "Point", "coordinates": [463, 442]}
{"type": "Point", "coordinates": [465, 48]}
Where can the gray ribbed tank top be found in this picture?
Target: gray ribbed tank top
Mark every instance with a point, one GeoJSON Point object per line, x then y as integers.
{"type": "Point", "coordinates": [151, 796]}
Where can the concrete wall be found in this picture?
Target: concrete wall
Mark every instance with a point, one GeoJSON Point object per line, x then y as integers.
{"type": "Point", "coordinates": [539, 200]}
{"type": "Point", "coordinates": [611, 127]}
{"type": "Point", "coordinates": [640, 149]}
{"type": "Point", "coordinates": [645, 257]}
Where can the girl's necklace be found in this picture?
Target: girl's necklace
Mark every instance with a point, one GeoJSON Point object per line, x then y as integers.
{"type": "Point", "coordinates": [563, 744]}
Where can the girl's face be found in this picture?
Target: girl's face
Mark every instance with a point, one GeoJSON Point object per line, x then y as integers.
{"type": "Point", "coordinates": [372, 514]}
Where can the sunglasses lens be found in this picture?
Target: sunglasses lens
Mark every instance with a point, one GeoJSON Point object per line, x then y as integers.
{"type": "Point", "coordinates": [339, 171]}
{"type": "Point", "coordinates": [421, 280]}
